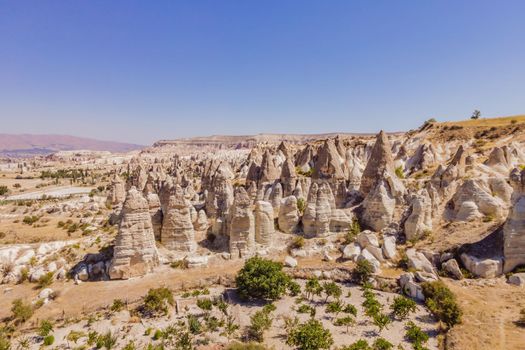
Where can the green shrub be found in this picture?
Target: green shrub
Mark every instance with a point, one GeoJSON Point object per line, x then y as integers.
{"type": "Point", "coordinates": [331, 289]}
{"type": "Point", "coordinates": [353, 231]}
{"type": "Point", "coordinates": [157, 301]}
{"type": "Point", "coordinates": [361, 344]}
{"type": "Point", "coordinates": [194, 325]}
{"type": "Point", "coordinates": [3, 190]}
{"type": "Point", "coordinates": [45, 280]}
{"type": "Point", "coordinates": [21, 311]}
{"type": "Point", "coordinates": [108, 341]}
{"type": "Point", "coordinates": [382, 344]}
{"type": "Point", "coordinates": [245, 346]}
{"type": "Point", "coordinates": [381, 321]}
{"type": "Point", "coordinates": [301, 205]}
{"type": "Point", "coordinates": [313, 287]}
{"type": "Point", "coordinates": [402, 307]}
{"type": "Point", "coordinates": [5, 344]}
{"type": "Point", "coordinates": [74, 336]}
{"type": "Point", "coordinates": [310, 336]}
{"type": "Point", "coordinates": [344, 321]}
{"type": "Point", "coordinates": [118, 305]}
{"type": "Point", "coordinates": [261, 279]}
{"type": "Point", "coordinates": [294, 288]}
{"type": "Point", "coordinates": [205, 304]}
{"type": "Point", "coordinates": [260, 322]}
{"type": "Point", "coordinates": [415, 334]}
{"type": "Point", "coordinates": [49, 340]}
{"type": "Point", "coordinates": [442, 303]}
{"type": "Point", "coordinates": [45, 328]}
{"type": "Point", "coordinates": [363, 271]}
{"type": "Point", "coordinates": [399, 172]}
{"type": "Point", "coordinates": [297, 243]}
{"type": "Point", "coordinates": [30, 220]}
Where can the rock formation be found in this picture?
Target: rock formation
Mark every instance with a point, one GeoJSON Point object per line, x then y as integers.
{"type": "Point", "coordinates": [177, 228]}
{"type": "Point", "coordinates": [264, 223]}
{"type": "Point", "coordinates": [289, 215]}
{"type": "Point", "coordinates": [241, 226]}
{"type": "Point", "coordinates": [134, 253]}
{"type": "Point", "coordinates": [514, 228]}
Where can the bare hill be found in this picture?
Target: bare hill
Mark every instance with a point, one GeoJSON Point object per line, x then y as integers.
{"type": "Point", "coordinates": [29, 144]}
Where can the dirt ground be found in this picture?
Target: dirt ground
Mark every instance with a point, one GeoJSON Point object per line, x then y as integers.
{"type": "Point", "coordinates": [490, 308]}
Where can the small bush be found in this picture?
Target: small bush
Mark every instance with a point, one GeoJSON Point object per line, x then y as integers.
{"type": "Point", "coordinates": [30, 220]}
{"type": "Point", "coordinates": [363, 271]}
{"type": "Point", "coordinates": [49, 340]}
{"type": "Point", "coordinates": [415, 334]}
{"type": "Point", "coordinates": [399, 172]}
{"type": "Point", "coordinates": [361, 344]}
{"type": "Point", "coordinates": [45, 328]}
{"type": "Point", "coordinates": [108, 341]}
{"type": "Point", "coordinates": [21, 311]}
{"type": "Point", "coordinates": [3, 190]}
{"type": "Point", "coordinates": [297, 243]}
{"type": "Point", "coordinates": [261, 279]}
{"type": "Point", "coordinates": [310, 336]}
{"type": "Point", "coordinates": [194, 325]}
{"type": "Point", "coordinates": [353, 231]}
{"type": "Point", "coordinates": [382, 344]}
{"type": "Point", "coordinates": [442, 303]}
{"type": "Point", "coordinates": [260, 322]}
{"type": "Point", "coordinates": [118, 305]}
{"type": "Point", "coordinates": [245, 346]}
{"type": "Point", "coordinates": [521, 321]}
{"type": "Point", "coordinates": [402, 307]}
{"type": "Point", "coordinates": [45, 280]}
{"type": "Point", "coordinates": [157, 301]}
{"type": "Point", "coordinates": [205, 304]}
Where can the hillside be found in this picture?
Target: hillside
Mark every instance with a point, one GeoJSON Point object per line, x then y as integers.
{"type": "Point", "coordinates": [24, 145]}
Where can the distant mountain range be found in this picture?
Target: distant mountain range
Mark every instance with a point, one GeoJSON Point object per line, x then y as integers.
{"type": "Point", "coordinates": [25, 145]}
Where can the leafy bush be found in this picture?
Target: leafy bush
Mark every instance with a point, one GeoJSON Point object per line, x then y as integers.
{"type": "Point", "coordinates": [331, 289]}
{"type": "Point", "coordinates": [297, 243]}
{"type": "Point", "coordinates": [301, 205]}
{"type": "Point", "coordinates": [30, 220]}
{"type": "Point", "coordinates": [245, 346]}
{"type": "Point", "coordinates": [21, 311]}
{"type": "Point", "coordinates": [381, 321]}
{"type": "Point", "coordinates": [313, 287]}
{"type": "Point", "coordinates": [157, 301]}
{"type": "Point", "coordinates": [382, 344]}
{"type": "Point", "coordinates": [402, 307]}
{"type": "Point", "coordinates": [415, 334]}
{"type": "Point", "coordinates": [194, 325]}
{"type": "Point", "coordinates": [442, 303]}
{"type": "Point", "coordinates": [3, 190]}
{"type": "Point", "coordinates": [399, 172]}
{"type": "Point", "coordinates": [118, 305]}
{"type": "Point", "coordinates": [45, 280]}
{"type": "Point", "coordinates": [260, 322]}
{"type": "Point", "coordinates": [363, 271]}
{"type": "Point", "coordinates": [310, 336]}
{"type": "Point", "coordinates": [205, 304]}
{"type": "Point", "coordinates": [5, 344]}
{"type": "Point", "coordinates": [294, 288]}
{"type": "Point", "coordinates": [261, 279]}
{"type": "Point", "coordinates": [108, 341]}
{"type": "Point", "coordinates": [49, 340]}
{"type": "Point", "coordinates": [361, 344]}
{"type": "Point", "coordinates": [74, 336]}
{"type": "Point", "coordinates": [45, 328]}
{"type": "Point", "coordinates": [353, 231]}
{"type": "Point", "coordinates": [345, 321]}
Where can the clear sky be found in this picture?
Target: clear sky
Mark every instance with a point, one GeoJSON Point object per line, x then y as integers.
{"type": "Point", "coordinates": [140, 71]}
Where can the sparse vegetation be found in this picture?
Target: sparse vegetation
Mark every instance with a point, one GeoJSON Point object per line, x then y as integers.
{"type": "Point", "coordinates": [402, 307]}
{"type": "Point", "coordinates": [353, 231]}
{"type": "Point", "coordinates": [363, 271]}
{"type": "Point", "coordinates": [157, 301]}
{"type": "Point", "coordinates": [310, 336]}
{"type": "Point", "coordinates": [21, 311]}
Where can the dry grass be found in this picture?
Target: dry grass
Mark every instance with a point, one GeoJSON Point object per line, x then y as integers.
{"type": "Point", "coordinates": [487, 122]}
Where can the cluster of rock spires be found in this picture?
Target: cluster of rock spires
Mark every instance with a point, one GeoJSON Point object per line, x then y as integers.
{"type": "Point", "coordinates": [316, 191]}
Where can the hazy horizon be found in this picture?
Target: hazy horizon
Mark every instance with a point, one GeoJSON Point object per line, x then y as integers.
{"type": "Point", "coordinates": [139, 72]}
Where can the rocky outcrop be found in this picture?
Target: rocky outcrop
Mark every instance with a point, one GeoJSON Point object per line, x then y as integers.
{"type": "Point", "coordinates": [379, 163]}
{"type": "Point", "coordinates": [472, 200]}
{"type": "Point", "coordinates": [117, 192]}
{"type": "Point", "coordinates": [289, 215]}
{"type": "Point", "coordinates": [264, 223]}
{"type": "Point", "coordinates": [514, 228]}
{"type": "Point", "coordinates": [329, 163]}
{"type": "Point", "coordinates": [269, 171]}
{"type": "Point", "coordinates": [318, 212]}
{"type": "Point", "coordinates": [177, 227]}
{"type": "Point", "coordinates": [156, 213]}
{"type": "Point", "coordinates": [134, 253]}
{"type": "Point", "coordinates": [378, 207]}
{"type": "Point", "coordinates": [241, 226]}
{"type": "Point", "coordinates": [419, 222]}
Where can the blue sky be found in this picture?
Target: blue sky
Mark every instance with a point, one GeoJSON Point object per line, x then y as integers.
{"type": "Point", "coordinates": [140, 71]}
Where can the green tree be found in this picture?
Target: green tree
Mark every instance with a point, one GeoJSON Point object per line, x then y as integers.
{"type": "Point", "coordinates": [363, 271]}
{"type": "Point", "coordinates": [442, 303]}
{"type": "Point", "coordinates": [476, 114]}
{"type": "Point", "coordinates": [310, 336]}
{"type": "Point", "coordinates": [381, 321]}
{"type": "Point", "coordinates": [313, 287]}
{"type": "Point", "coordinates": [331, 289]}
{"type": "Point", "coordinates": [334, 307]}
{"type": "Point", "coordinates": [345, 321]}
{"type": "Point", "coordinates": [262, 279]}
{"type": "Point", "coordinates": [353, 231]}
{"type": "Point", "coordinates": [415, 334]}
{"type": "Point", "coordinates": [260, 322]}
{"type": "Point", "coordinates": [402, 307]}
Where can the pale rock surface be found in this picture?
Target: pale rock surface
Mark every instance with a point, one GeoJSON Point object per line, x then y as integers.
{"type": "Point", "coordinates": [288, 215]}
{"type": "Point", "coordinates": [177, 228]}
{"type": "Point", "coordinates": [264, 223]}
{"type": "Point", "coordinates": [389, 247]}
{"type": "Point", "coordinates": [485, 268]}
{"type": "Point", "coordinates": [420, 219]}
{"type": "Point", "coordinates": [452, 268]}
{"type": "Point", "coordinates": [241, 226]}
{"type": "Point", "coordinates": [134, 253]}
{"type": "Point", "coordinates": [514, 228]}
